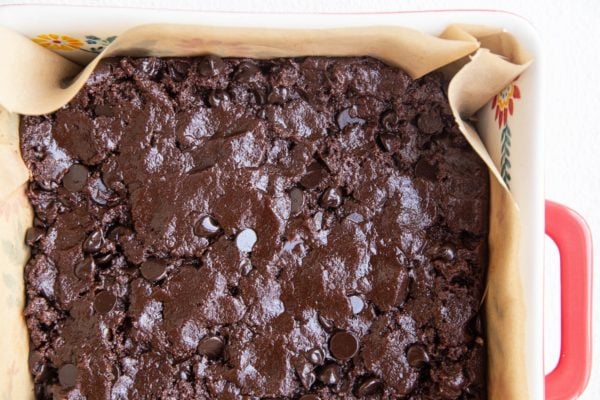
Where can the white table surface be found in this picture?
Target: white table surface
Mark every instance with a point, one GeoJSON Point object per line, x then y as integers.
{"type": "Point", "coordinates": [570, 33]}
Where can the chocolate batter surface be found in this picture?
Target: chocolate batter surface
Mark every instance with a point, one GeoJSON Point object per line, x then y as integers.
{"type": "Point", "coordinates": [238, 229]}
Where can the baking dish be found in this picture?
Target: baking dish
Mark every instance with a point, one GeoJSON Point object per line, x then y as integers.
{"type": "Point", "coordinates": [510, 127]}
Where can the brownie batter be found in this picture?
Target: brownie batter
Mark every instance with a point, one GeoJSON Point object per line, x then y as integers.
{"type": "Point", "coordinates": [207, 228]}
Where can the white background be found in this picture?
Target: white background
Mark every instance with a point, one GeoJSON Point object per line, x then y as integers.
{"type": "Point", "coordinates": [570, 32]}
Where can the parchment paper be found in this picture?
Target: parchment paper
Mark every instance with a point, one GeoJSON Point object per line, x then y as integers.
{"type": "Point", "coordinates": [479, 60]}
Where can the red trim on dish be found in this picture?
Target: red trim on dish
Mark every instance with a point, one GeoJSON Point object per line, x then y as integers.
{"type": "Point", "coordinates": [573, 238]}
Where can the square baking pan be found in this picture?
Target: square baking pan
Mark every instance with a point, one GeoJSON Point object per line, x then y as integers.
{"type": "Point", "coordinates": [510, 126]}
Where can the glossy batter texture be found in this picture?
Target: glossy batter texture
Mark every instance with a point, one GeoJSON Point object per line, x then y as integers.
{"type": "Point", "coordinates": [309, 228]}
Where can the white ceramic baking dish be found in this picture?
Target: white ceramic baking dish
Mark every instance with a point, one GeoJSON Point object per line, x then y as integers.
{"type": "Point", "coordinates": [510, 127]}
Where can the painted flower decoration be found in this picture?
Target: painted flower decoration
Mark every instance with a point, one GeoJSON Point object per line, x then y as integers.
{"type": "Point", "coordinates": [98, 44]}
{"type": "Point", "coordinates": [58, 42]}
{"type": "Point", "coordinates": [504, 104]}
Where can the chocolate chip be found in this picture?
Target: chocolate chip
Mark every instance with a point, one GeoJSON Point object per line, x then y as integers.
{"type": "Point", "coordinates": [306, 375]}
{"type": "Point", "coordinates": [207, 226]}
{"type": "Point", "coordinates": [84, 269]}
{"type": "Point", "coordinates": [178, 69]}
{"type": "Point", "coordinates": [259, 96]}
{"type": "Point", "coordinates": [211, 347]}
{"type": "Point", "coordinates": [452, 381]}
{"type": "Point", "coordinates": [310, 397]}
{"type": "Point", "coordinates": [390, 120]}
{"type": "Point", "coordinates": [103, 259]}
{"type": "Point", "coordinates": [308, 379]}
{"type": "Point", "coordinates": [277, 96]}
{"type": "Point", "coordinates": [34, 360]}
{"type": "Point", "coordinates": [357, 304]}
{"type": "Point", "coordinates": [246, 71]}
{"type": "Point", "coordinates": [75, 178]}
{"type": "Point", "coordinates": [424, 169]}
{"type": "Point", "coordinates": [218, 98]}
{"type": "Point", "coordinates": [211, 66]}
{"type": "Point", "coordinates": [330, 374]}
{"type": "Point", "coordinates": [345, 118]}
{"type": "Point", "coordinates": [445, 253]}
{"type": "Point", "coordinates": [99, 192]}
{"type": "Point", "coordinates": [326, 324]}
{"type": "Point", "coordinates": [33, 235]}
{"type": "Point", "coordinates": [112, 177]}
{"type": "Point", "coordinates": [43, 390]}
{"type": "Point", "coordinates": [153, 270]}
{"type": "Point", "coordinates": [430, 122]}
{"type": "Point", "coordinates": [369, 387]}
{"type": "Point", "coordinates": [245, 266]}
{"type": "Point", "coordinates": [104, 302]}
{"type": "Point", "coordinates": [116, 372]}
{"type": "Point", "coordinates": [93, 243]}
{"type": "Point", "coordinates": [38, 222]}
{"type": "Point", "coordinates": [67, 375]}
{"type": "Point", "coordinates": [316, 356]}
{"type": "Point", "coordinates": [343, 345]}
{"type": "Point", "coordinates": [245, 240]}
{"type": "Point", "coordinates": [417, 356]}
{"type": "Point", "coordinates": [332, 198]}
{"type": "Point", "coordinates": [120, 234]}
{"type": "Point", "coordinates": [297, 201]}
{"type": "Point", "coordinates": [313, 177]}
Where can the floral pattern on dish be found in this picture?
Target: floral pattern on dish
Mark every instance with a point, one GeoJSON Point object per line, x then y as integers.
{"type": "Point", "coordinates": [55, 41]}
{"type": "Point", "coordinates": [97, 44]}
{"type": "Point", "coordinates": [504, 105]}
{"type": "Point", "coordinates": [89, 43]}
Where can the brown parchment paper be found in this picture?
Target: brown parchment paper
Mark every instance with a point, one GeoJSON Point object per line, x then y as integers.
{"type": "Point", "coordinates": [479, 60]}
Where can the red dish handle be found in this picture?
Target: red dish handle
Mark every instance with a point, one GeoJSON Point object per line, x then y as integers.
{"type": "Point", "coordinates": [572, 237]}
